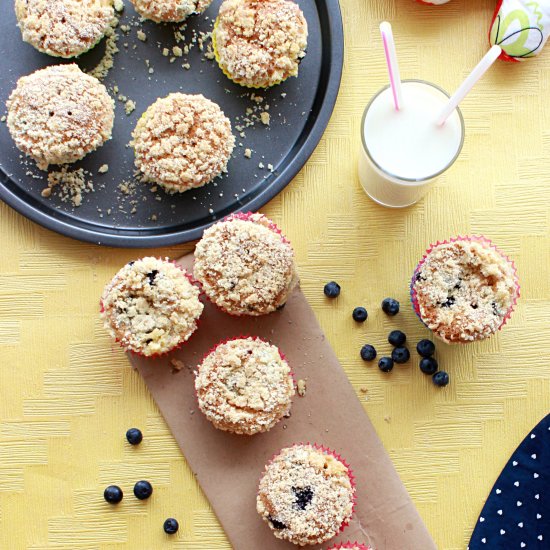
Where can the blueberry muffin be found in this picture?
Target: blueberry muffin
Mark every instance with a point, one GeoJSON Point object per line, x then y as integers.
{"type": "Point", "coordinates": [245, 265]}
{"type": "Point", "coordinates": [151, 307]}
{"type": "Point", "coordinates": [464, 290]}
{"type": "Point", "coordinates": [306, 495]}
{"type": "Point", "coordinates": [244, 386]}
{"type": "Point", "coordinates": [169, 11]}
{"type": "Point", "coordinates": [259, 43]}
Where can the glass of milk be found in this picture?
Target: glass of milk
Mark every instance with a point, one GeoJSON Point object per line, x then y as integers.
{"type": "Point", "coordinates": [404, 151]}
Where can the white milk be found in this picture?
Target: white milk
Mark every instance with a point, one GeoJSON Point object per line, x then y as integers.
{"type": "Point", "coordinates": [404, 151]}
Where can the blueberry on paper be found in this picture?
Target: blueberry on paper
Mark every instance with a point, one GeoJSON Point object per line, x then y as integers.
{"type": "Point", "coordinates": [360, 314]}
{"type": "Point", "coordinates": [428, 365]}
{"type": "Point", "coordinates": [397, 338]}
{"type": "Point", "coordinates": [171, 526]}
{"type": "Point", "coordinates": [113, 494]}
{"type": "Point", "coordinates": [400, 355]}
{"type": "Point", "coordinates": [134, 436]}
{"type": "Point", "coordinates": [390, 306]}
{"type": "Point", "coordinates": [143, 490]}
{"type": "Point", "coordinates": [385, 364]}
{"type": "Point", "coordinates": [332, 290]}
{"type": "Point", "coordinates": [425, 348]}
{"type": "Point", "coordinates": [440, 378]}
{"type": "Point", "coordinates": [368, 352]}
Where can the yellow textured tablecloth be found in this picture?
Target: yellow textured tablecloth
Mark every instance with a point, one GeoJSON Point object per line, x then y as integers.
{"type": "Point", "coordinates": [68, 395]}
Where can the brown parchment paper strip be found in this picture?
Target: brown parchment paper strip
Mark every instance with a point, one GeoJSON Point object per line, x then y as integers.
{"type": "Point", "coordinates": [228, 466]}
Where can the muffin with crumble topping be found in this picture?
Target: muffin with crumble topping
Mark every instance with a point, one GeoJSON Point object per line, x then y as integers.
{"type": "Point", "coordinates": [306, 495]}
{"type": "Point", "coordinates": [151, 307]}
{"type": "Point", "coordinates": [64, 28]}
{"type": "Point", "coordinates": [182, 142]}
{"type": "Point", "coordinates": [259, 43]}
{"type": "Point", "coordinates": [464, 289]}
{"type": "Point", "coordinates": [169, 11]}
{"type": "Point", "coordinates": [245, 265]}
{"type": "Point", "coordinates": [244, 386]}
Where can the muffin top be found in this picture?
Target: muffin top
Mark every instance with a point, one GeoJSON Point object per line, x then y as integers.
{"type": "Point", "coordinates": [245, 266]}
{"type": "Point", "coordinates": [172, 11]}
{"type": "Point", "coordinates": [464, 290]}
{"type": "Point", "coordinates": [306, 495]}
{"type": "Point", "coordinates": [64, 28]}
{"type": "Point", "coordinates": [59, 114]}
{"type": "Point", "coordinates": [244, 386]}
{"type": "Point", "coordinates": [182, 142]}
{"type": "Point", "coordinates": [150, 306]}
{"type": "Point", "coordinates": [259, 43]}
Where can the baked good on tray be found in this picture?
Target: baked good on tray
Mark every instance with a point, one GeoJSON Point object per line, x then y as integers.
{"type": "Point", "coordinates": [464, 289]}
{"type": "Point", "coordinates": [59, 114]}
{"type": "Point", "coordinates": [244, 386]}
{"type": "Point", "coordinates": [182, 142]}
{"type": "Point", "coordinates": [64, 28]}
{"type": "Point", "coordinates": [151, 307]}
{"type": "Point", "coordinates": [169, 11]}
{"type": "Point", "coordinates": [245, 265]}
{"type": "Point", "coordinates": [259, 43]}
{"type": "Point", "coordinates": [306, 494]}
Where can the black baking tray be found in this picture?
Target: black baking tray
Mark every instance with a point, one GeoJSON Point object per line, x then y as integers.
{"type": "Point", "coordinates": [299, 110]}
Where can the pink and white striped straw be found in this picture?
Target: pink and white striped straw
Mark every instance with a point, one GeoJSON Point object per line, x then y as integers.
{"type": "Point", "coordinates": [393, 66]}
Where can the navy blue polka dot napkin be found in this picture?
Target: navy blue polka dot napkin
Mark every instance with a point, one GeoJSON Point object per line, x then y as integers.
{"type": "Point", "coordinates": [517, 512]}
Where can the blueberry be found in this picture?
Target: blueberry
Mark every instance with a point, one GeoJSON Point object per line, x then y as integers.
{"type": "Point", "coordinates": [143, 490]}
{"type": "Point", "coordinates": [171, 526]}
{"type": "Point", "coordinates": [368, 353]}
{"type": "Point", "coordinates": [151, 276]}
{"type": "Point", "coordinates": [428, 365]}
{"type": "Point", "coordinates": [332, 290]}
{"type": "Point", "coordinates": [425, 348]}
{"type": "Point", "coordinates": [440, 378]}
{"type": "Point", "coordinates": [385, 364]}
{"type": "Point", "coordinates": [397, 338]}
{"type": "Point", "coordinates": [390, 306]}
{"type": "Point", "coordinates": [276, 523]}
{"type": "Point", "coordinates": [303, 497]}
{"type": "Point", "coordinates": [134, 436]}
{"type": "Point", "coordinates": [113, 494]}
{"type": "Point", "coordinates": [400, 355]}
{"type": "Point", "coordinates": [360, 314]}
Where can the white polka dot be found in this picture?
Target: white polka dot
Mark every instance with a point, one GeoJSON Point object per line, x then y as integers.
{"type": "Point", "coordinates": [483, 540]}
{"type": "Point", "coordinates": [522, 544]}
{"type": "Point", "coordinates": [535, 475]}
{"type": "Point", "coordinates": [520, 524]}
{"type": "Point", "coordinates": [498, 491]}
{"type": "Point", "coordinates": [519, 503]}
{"type": "Point", "coordinates": [502, 532]}
{"type": "Point", "coordinates": [516, 483]}
{"type": "Point", "coordinates": [481, 519]}
{"type": "Point", "coordinates": [537, 496]}
{"type": "Point", "coordinates": [534, 456]}
{"type": "Point", "coordinates": [514, 463]}
{"type": "Point", "coordinates": [499, 512]}
{"type": "Point", "coordinates": [540, 537]}
{"type": "Point", "coordinates": [533, 436]}
{"type": "Point", "coordinates": [538, 516]}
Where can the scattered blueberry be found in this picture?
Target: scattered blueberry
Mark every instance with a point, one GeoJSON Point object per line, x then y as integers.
{"type": "Point", "coordinates": [303, 497]}
{"type": "Point", "coordinates": [397, 338]}
{"type": "Point", "coordinates": [113, 494]}
{"type": "Point", "coordinates": [390, 306]}
{"type": "Point", "coordinates": [276, 523]}
{"type": "Point", "coordinates": [385, 364]}
{"type": "Point", "coordinates": [428, 365]}
{"type": "Point", "coordinates": [368, 353]}
{"type": "Point", "coordinates": [171, 526]}
{"type": "Point", "coordinates": [332, 290]}
{"type": "Point", "coordinates": [151, 276]}
{"type": "Point", "coordinates": [134, 436]}
{"type": "Point", "coordinates": [400, 355]}
{"type": "Point", "coordinates": [143, 490]}
{"type": "Point", "coordinates": [425, 348]}
{"type": "Point", "coordinates": [440, 378]}
{"type": "Point", "coordinates": [360, 314]}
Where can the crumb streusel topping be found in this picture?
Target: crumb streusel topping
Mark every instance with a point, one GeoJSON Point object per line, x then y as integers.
{"type": "Point", "coordinates": [464, 290]}
{"type": "Point", "coordinates": [64, 28]}
{"type": "Point", "coordinates": [173, 11]}
{"type": "Point", "coordinates": [244, 386]}
{"type": "Point", "coordinates": [260, 43]}
{"type": "Point", "coordinates": [58, 115]}
{"type": "Point", "coordinates": [183, 142]}
{"type": "Point", "coordinates": [245, 266]}
{"type": "Point", "coordinates": [150, 306]}
{"type": "Point", "coordinates": [305, 495]}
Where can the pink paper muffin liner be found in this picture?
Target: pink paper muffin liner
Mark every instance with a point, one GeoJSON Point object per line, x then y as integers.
{"type": "Point", "coordinates": [194, 282]}
{"type": "Point", "coordinates": [342, 546]}
{"type": "Point", "coordinates": [468, 238]}
{"type": "Point", "coordinates": [327, 451]}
